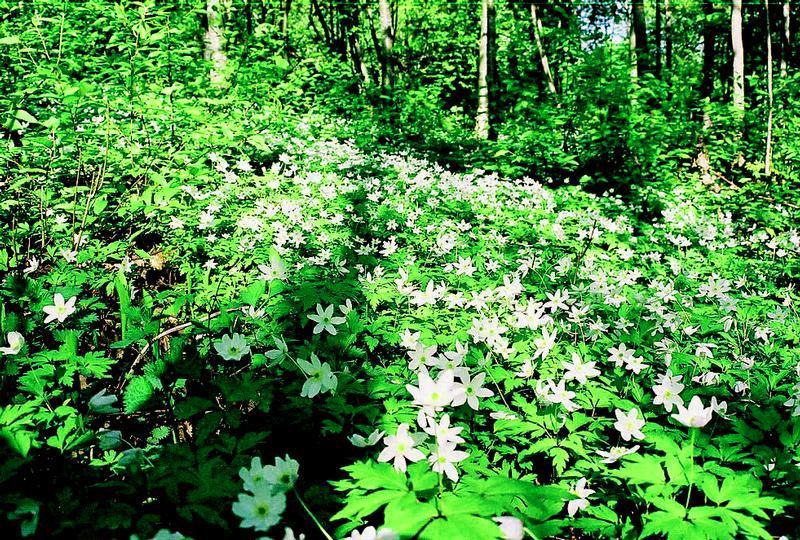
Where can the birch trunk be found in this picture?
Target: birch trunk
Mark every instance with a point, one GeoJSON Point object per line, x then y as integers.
{"type": "Point", "coordinates": [387, 41]}
{"type": "Point", "coordinates": [785, 47]}
{"type": "Point", "coordinates": [657, 39]}
{"type": "Point", "coordinates": [738, 54]}
{"type": "Point", "coordinates": [768, 156]}
{"type": "Point", "coordinates": [482, 126]}
{"type": "Point", "coordinates": [214, 51]}
{"type": "Point", "coordinates": [537, 33]}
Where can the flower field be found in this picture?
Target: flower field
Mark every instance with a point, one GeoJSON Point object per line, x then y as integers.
{"type": "Point", "coordinates": [245, 312]}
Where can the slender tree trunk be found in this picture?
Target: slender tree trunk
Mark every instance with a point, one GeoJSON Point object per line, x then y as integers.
{"type": "Point", "coordinates": [632, 60]}
{"type": "Point", "coordinates": [768, 156]}
{"type": "Point", "coordinates": [287, 8]}
{"type": "Point", "coordinates": [376, 43]}
{"type": "Point", "coordinates": [387, 40]}
{"type": "Point", "coordinates": [248, 16]}
{"type": "Point", "coordinates": [537, 33]}
{"type": "Point", "coordinates": [786, 51]}
{"type": "Point", "coordinates": [641, 49]}
{"type": "Point", "coordinates": [482, 127]}
{"type": "Point", "coordinates": [709, 38]}
{"type": "Point", "coordinates": [350, 23]}
{"type": "Point", "coordinates": [358, 59]}
{"type": "Point", "coordinates": [738, 54]}
{"type": "Point", "coordinates": [668, 35]}
{"type": "Point", "coordinates": [326, 30]}
{"type": "Point", "coordinates": [214, 51]}
{"type": "Point", "coordinates": [657, 39]}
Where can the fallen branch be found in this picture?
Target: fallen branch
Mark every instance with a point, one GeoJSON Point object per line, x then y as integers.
{"type": "Point", "coordinates": [165, 333]}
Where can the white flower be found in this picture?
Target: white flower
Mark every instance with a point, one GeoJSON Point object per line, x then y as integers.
{"type": "Point", "coordinates": [511, 527]}
{"type": "Point", "coordinates": [557, 393]}
{"type": "Point", "coordinates": [325, 320]}
{"type": "Point", "coordinates": [15, 343]}
{"type": "Point", "coordinates": [545, 343]}
{"type": "Point", "coordinates": [261, 510]}
{"type": "Point", "coordinates": [616, 452]}
{"type": "Point", "coordinates": [720, 407]}
{"type": "Point", "coordinates": [443, 457]}
{"type": "Point", "coordinates": [579, 370]}
{"type": "Point", "coordinates": [276, 269]}
{"type": "Point", "coordinates": [629, 425]}
{"type": "Point", "coordinates": [442, 431]}
{"type": "Point", "coordinates": [361, 442]}
{"type": "Point", "coordinates": [370, 533]}
{"type": "Point", "coordinates": [635, 364]}
{"type": "Point", "coordinates": [452, 360]}
{"type": "Point", "coordinates": [254, 478]}
{"type": "Point", "coordinates": [399, 448]}
{"type": "Point", "coordinates": [320, 377]}
{"type": "Point", "coordinates": [60, 309]}
{"type": "Point", "coordinates": [582, 502]}
{"type": "Point", "coordinates": [668, 394]}
{"type": "Point", "coordinates": [33, 265]}
{"type": "Point", "coordinates": [283, 474]}
{"type": "Point", "coordinates": [288, 534]}
{"type": "Point", "coordinates": [408, 339]}
{"type": "Point", "coordinates": [421, 356]}
{"type": "Point", "coordinates": [232, 347]}
{"type": "Point", "coordinates": [695, 415]}
{"type": "Point", "coordinates": [469, 390]}
{"type": "Point", "coordinates": [434, 394]}
{"type": "Point", "coordinates": [620, 355]}
{"type": "Point", "coordinates": [557, 300]}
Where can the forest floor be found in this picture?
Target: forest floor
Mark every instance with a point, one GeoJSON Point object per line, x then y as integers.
{"type": "Point", "coordinates": [458, 342]}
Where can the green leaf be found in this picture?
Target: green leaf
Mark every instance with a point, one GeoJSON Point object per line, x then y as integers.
{"type": "Point", "coordinates": [371, 475]}
{"type": "Point", "coordinates": [461, 526]}
{"type": "Point", "coordinates": [253, 293]}
{"type": "Point", "coordinates": [642, 469]}
{"type": "Point", "coordinates": [138, 392]}
{"type": "Point", "coordinates": [360, 506]}
{"type": "Point", "coordinates": [406, 515]}
{"type": "Point", "coordinates": [25, 116]}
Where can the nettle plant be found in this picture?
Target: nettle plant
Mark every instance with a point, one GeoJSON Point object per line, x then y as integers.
{"type": "Point", "coordinates": [415, 352]}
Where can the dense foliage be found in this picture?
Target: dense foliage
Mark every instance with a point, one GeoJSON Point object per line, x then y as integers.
{"type": "Point", "coordinates": [260, 277]}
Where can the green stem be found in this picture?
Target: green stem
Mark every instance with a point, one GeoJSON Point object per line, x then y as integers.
{"type": "Point", "coordinates": [311, 515]}
{"type": "Point", "coordinates": [693, 434]}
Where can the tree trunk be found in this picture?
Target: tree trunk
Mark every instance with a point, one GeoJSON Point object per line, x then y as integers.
{"type": "Point", "coordinates": [786, 51]}
{"type": "Point", "coordinates": [387, 40]}
{"type": "Point", "coordinates": [287, 8]}
{"type": "Point", "coordinates": [537, 33]}
{"type": "Point", "coordinates": [768, 156]}
{"type": "Point", "coordinates": [482, 127]}
{"type": "Point", "coordinates": [248, 17]}
{"type": "Point", "coordinates": [214, 51]}
{"type": "Point", "coordinates": [668, 35]}
{"type": "Point", "coordinates": [657, 39]}
{"type": "Point", "coordinates": [709, 37]}
{"type": "Point", "coordinates": [632, 51]}
{"type": "Point", "coordinates": [640, 48]}
{"type": "Point", "coordinates": [350, 28]}
{"type": "Point", "coordinates": [738, 54]}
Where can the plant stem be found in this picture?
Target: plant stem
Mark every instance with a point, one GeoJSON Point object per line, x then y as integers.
{"type": "Point", "coordinates": [311, 515]}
